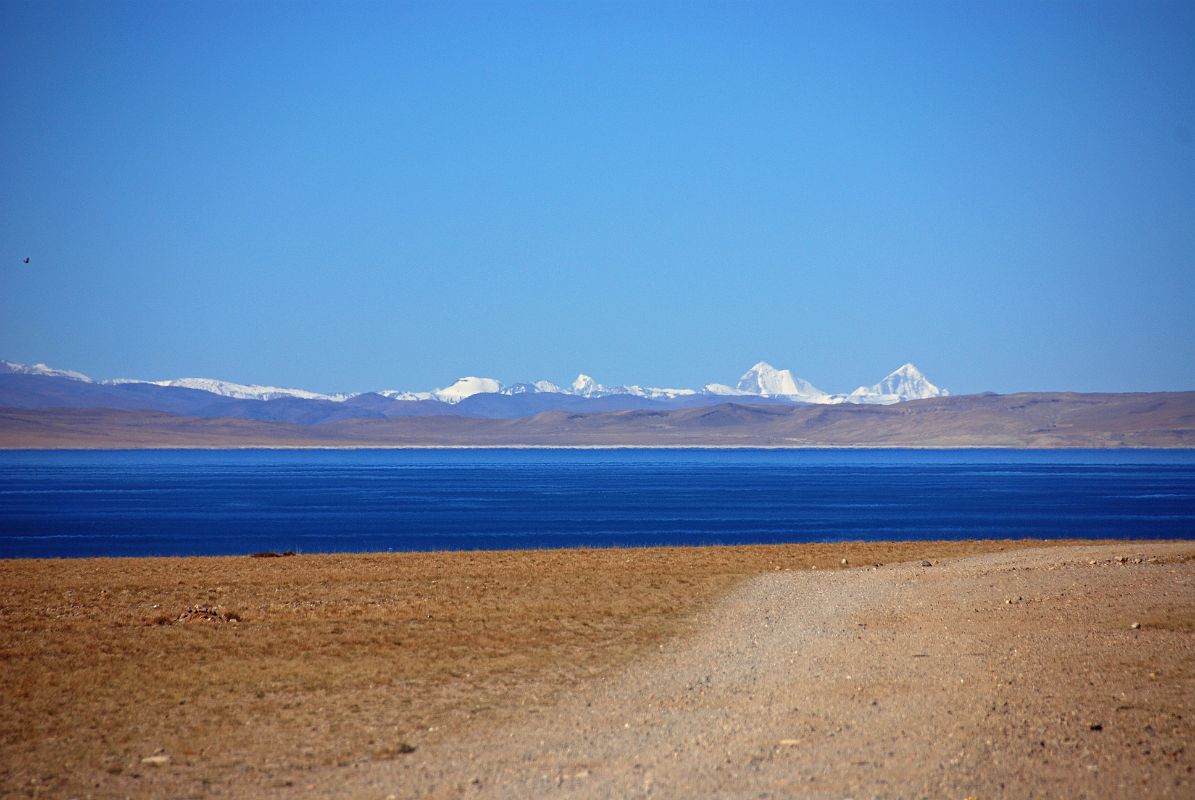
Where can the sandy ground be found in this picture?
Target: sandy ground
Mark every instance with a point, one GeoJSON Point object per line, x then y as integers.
{"type": "Point", "coordinates": [194, 677]}
{"type": "Point", "coordinates": [1064, 672]}
{"type": "Point", "coordinates": [998, 670]}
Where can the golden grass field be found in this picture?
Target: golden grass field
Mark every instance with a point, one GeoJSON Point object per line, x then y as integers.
{"type": "Point", "coordinates": [291, 664]}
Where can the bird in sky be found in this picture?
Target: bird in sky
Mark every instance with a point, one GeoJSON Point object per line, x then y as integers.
{"type": "Point", "coordinates": [26, 260]}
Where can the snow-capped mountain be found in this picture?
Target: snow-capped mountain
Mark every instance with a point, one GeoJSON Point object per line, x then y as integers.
{"type": "Point", "coordinates": [903, 383]}
{"type": "Point", "coordinates": [398, 394]}
{"type": "Point", "coordinates": [764, 380]}
{"type": "Point", "coordinates": [585, 386]}
{"type": "Point", "coordinates": [467, 387]}
{"type": "Point", "coordinates": [470, 385]}
{"type": "Point", "coordinates": [723, 390]}
{"type": "Point", "coordinates": [535, 387]}
{"type": "Point", "coordinates": [239, 391]}
{"type": "Point", "coordinates": [13, 368]}
{"type": "Point", "coordinates": [654, 393]}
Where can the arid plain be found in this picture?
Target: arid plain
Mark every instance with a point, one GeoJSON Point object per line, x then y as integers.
{"type": "Point", "coordinates": [936, 669]}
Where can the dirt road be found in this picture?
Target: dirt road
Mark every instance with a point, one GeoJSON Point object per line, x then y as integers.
{"type": "Point", "coordinates": [1056, 672]}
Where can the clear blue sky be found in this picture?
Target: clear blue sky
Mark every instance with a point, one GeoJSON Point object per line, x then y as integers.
{"type": "Point", "coordinates": [347, 196]}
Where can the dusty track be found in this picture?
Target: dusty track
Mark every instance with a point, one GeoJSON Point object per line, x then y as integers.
{"type": "Point", "coordinates": [334, 660]}
{"type": "Point", "coordinates": [1004, 675]}
{"type": "Point", "coordinates": [673, 672]}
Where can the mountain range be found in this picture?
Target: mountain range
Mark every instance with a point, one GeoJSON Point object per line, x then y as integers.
{"type": "Point", "coordinates": [41, 386]}
{"type": "Point", "coordinates": [43, 407]}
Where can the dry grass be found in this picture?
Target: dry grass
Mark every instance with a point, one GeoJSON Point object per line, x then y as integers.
{"type": "Point", "coordinates": [252, 670]}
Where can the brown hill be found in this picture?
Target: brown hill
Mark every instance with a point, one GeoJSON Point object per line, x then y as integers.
{"type": "Point", "coordinates": [1163, 419]}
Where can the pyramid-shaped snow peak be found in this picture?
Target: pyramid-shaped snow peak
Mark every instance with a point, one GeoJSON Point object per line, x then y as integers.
{"type": "Point", "coordinates": [586, 386]}
{"type": "Point", "coordinates": [766, 381]}
{"type": "Point", "coordinates": [904, 383]}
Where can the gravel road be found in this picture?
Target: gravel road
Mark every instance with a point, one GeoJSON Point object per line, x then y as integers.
{"type": "Point", "coordinates": [1009, 675]}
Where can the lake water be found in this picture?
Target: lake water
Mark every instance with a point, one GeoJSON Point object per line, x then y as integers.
{"type": "Point", "coordinates": [131, 503]}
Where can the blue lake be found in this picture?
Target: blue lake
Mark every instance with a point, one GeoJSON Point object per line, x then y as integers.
{"type": "Point", "coordinates": [132, 503]}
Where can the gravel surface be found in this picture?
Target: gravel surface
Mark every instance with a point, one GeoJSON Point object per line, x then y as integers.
{"type": "Point", "coordinates": [1008, 675]}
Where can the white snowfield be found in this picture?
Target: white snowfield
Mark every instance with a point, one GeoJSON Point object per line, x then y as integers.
{"type": "Point", "coordinates": [761, 380]}
{"type": "Point", "coordinates": [585, 386]}
{"type": "Point", "coordinates": [239, 391]}
{"type": "Point", "coordinates": [467, 387]}
{"type": "Point", "coordinates": [13, 368]}
{"type": "Point", "coordinates": [536, 387]}
{"type": "Point", "coordinates": [396, 394]}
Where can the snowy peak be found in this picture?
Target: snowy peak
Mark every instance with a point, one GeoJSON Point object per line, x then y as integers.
{"type": "Point", "coordinates": [765, 380]}
{"type": "Point", "coordinates": [13, 368]}
{"type": "Point", "coordinates": [723, 389]}
{"type": "Point", "coordinates": [238, 391]}
{"type": "Point", "coordinates": [585, 386]}
{"type": "Point", "coordinates": [904, 383]}
{"type": "Point", "coordinates": [908, 382]}
{"type": "Point", "coordinates": [467, 387]}
{"type": "Point", "coordinates": [398, 394]}
{"type": "Point", "coordinates": [656, 393]}
{"type": "Point", "coordinates": [535, 387]}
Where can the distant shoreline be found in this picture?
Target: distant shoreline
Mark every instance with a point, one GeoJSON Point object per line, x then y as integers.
{"type": "Point", "coordinates": [793, 447]}
{"type": "Point", "coordinates": [850, 547]}
{"type": "Point", "coordinates": [588, 447]}
{"type": "Point", "coordinates": [339, 448]}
